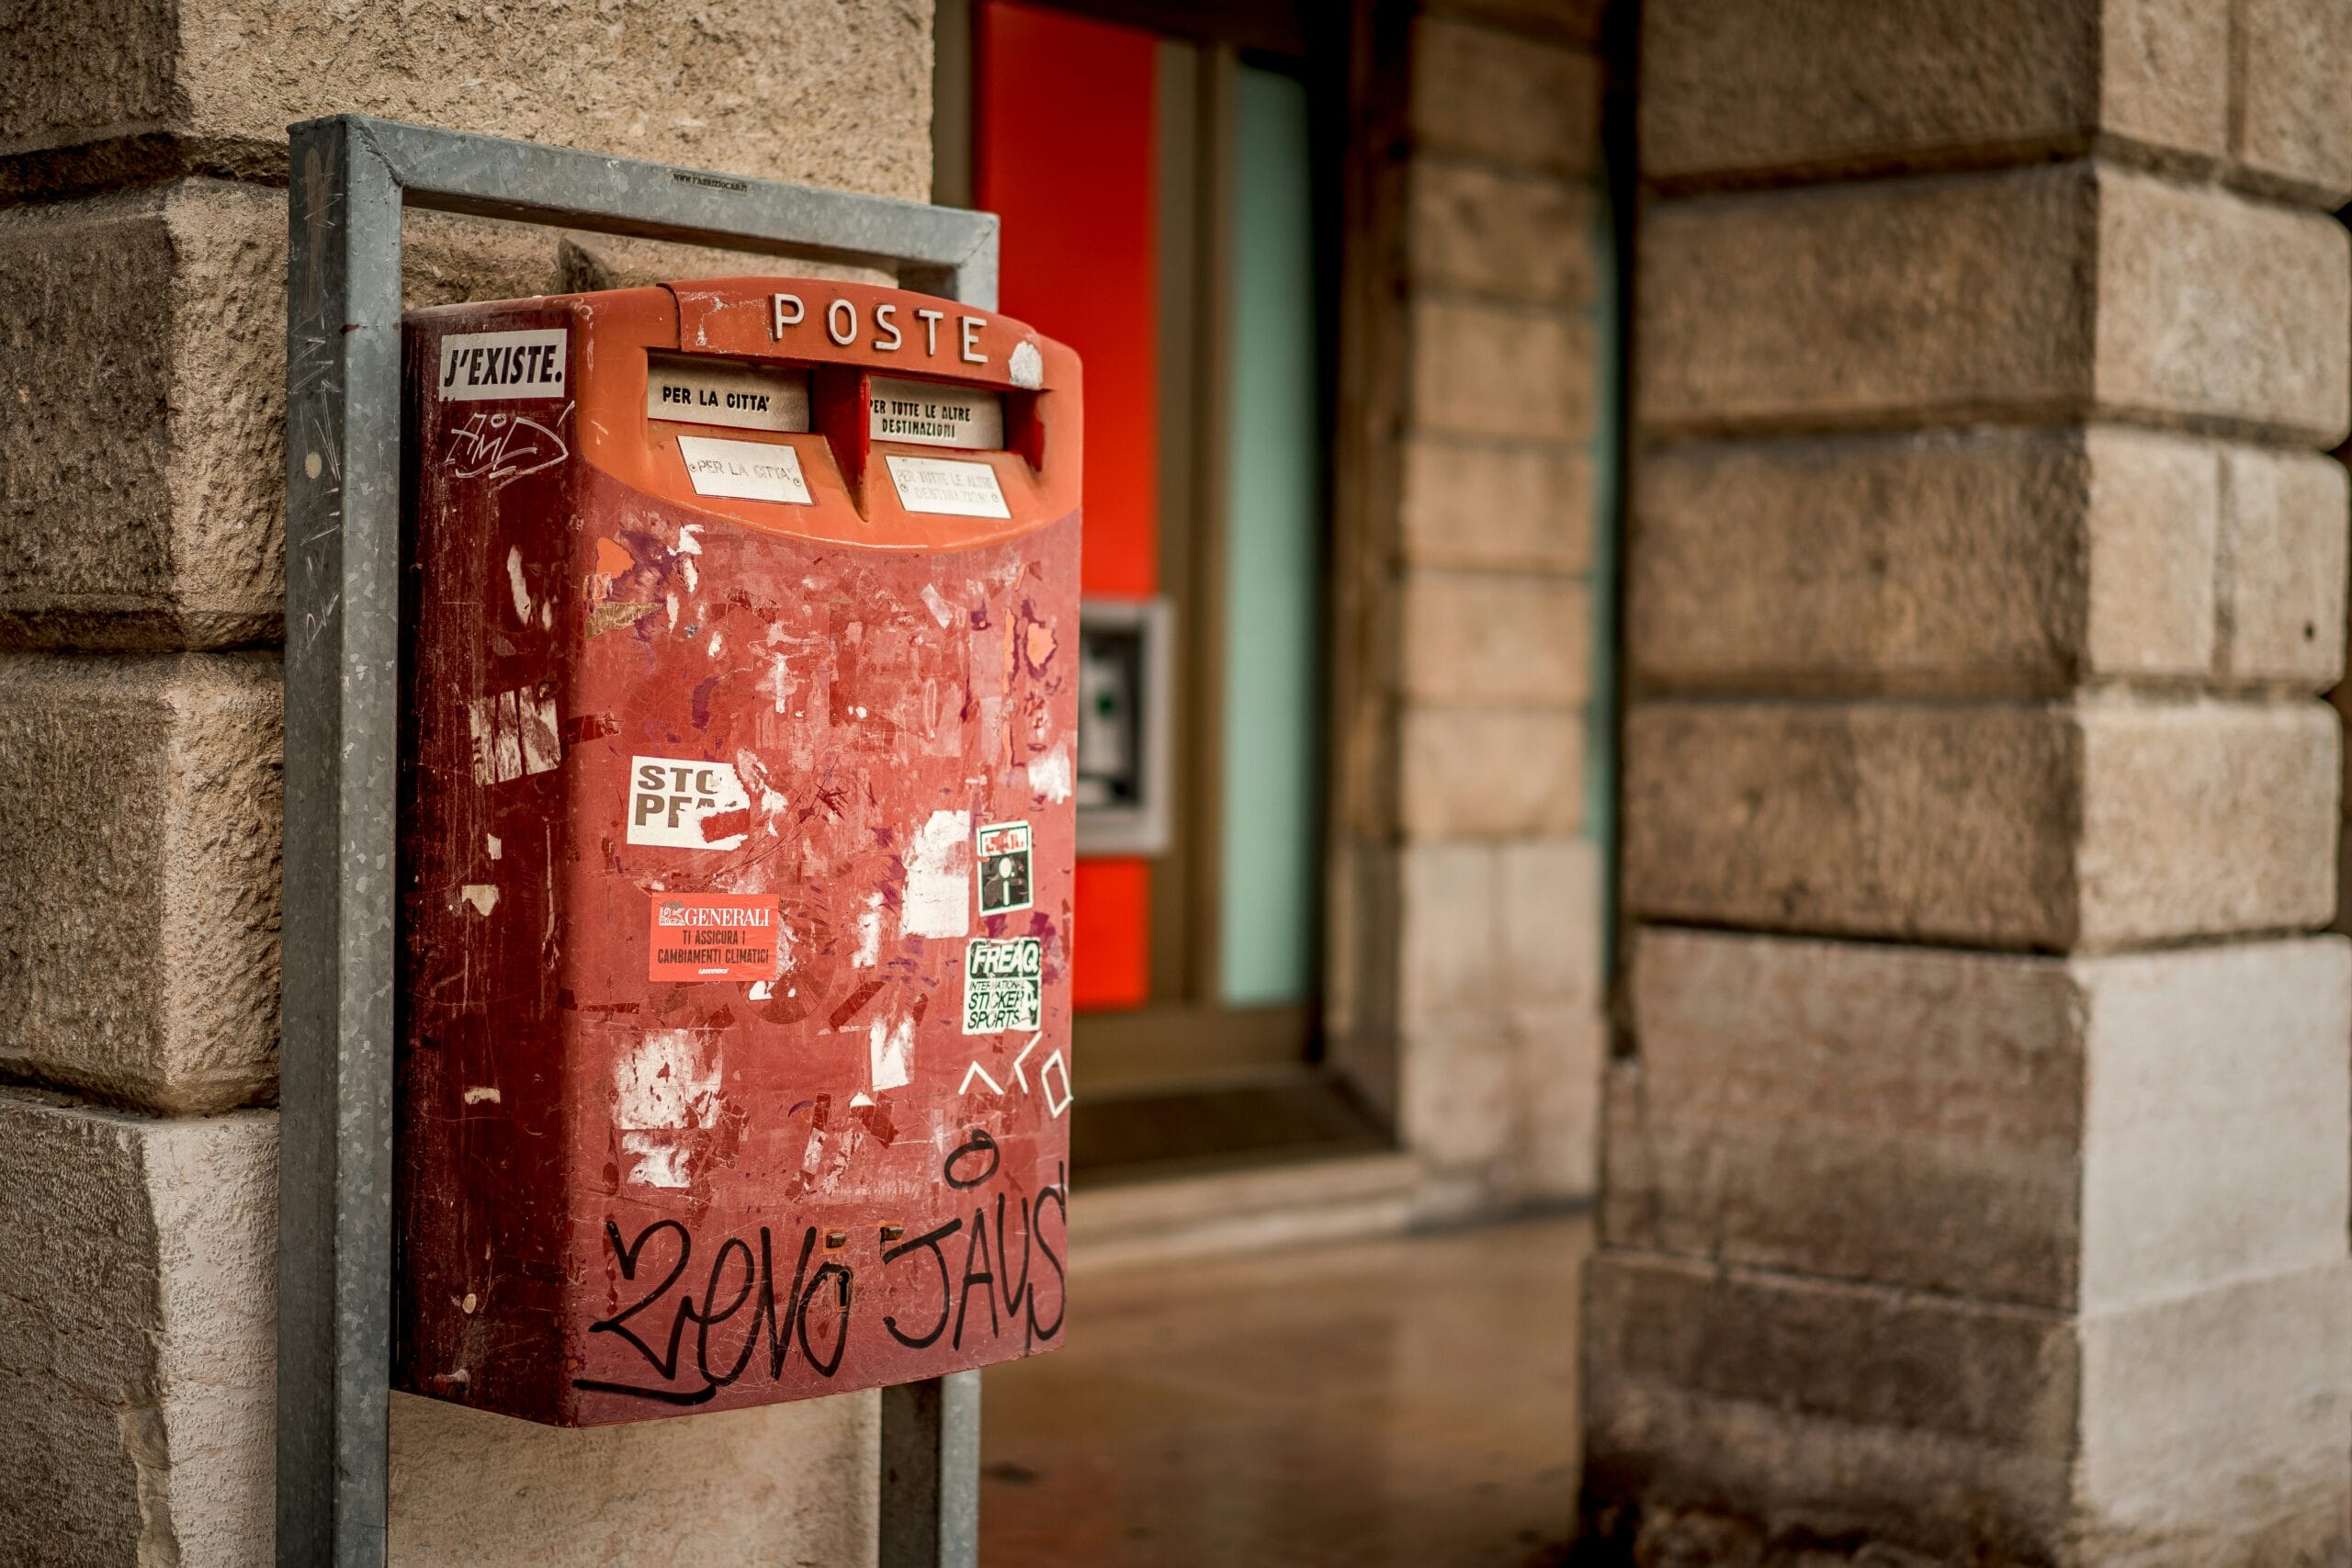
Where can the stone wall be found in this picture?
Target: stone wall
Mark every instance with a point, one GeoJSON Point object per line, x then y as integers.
{"type": "Point", "coordinates": [1975, 1180]}
{"type": "Point", "coordinates": [1477, 443]}
{"type": "Point", "coordinates": [142, 259]}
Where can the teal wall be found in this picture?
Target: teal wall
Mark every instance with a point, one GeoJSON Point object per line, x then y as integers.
{"type": "Point", "coordinates": [1274, 508]}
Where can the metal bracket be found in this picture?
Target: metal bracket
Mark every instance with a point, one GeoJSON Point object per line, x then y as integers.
{"type": "Point", "coordinates": [352, 177]}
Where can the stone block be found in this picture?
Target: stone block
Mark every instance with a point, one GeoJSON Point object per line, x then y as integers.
{"type": "Point", "coordinates": [2087, 1134]}
{"type": "Point", "coordinates": [1498, 370]}
{"type": "Point", "coordinates": [1577, 20]}
{"type": "Point", "coordinates": [2215, 308]}
{"type": "Point", "coordinates": [1516, 236]}
{"type": "Point", "coordinates": [1935, 1423]}
{"type": "Point", "coordinates": [2207, 1428]}
{"type": "Point", "coordinates": [1751, 89]}
{"type": "Point", "coordinates": [2115, 293]}
{"type": "Point", "coordinates": [1551, 919]}
{"type": "Point", "coordinates": [1496, 505]}
{"type": "Point", "coordinates": [2212, 1425]}
{"type": "Point", "coordinates": [142, 453]}
{"type": "Point", "coordinates": [1448, 938]}
{"type": "Point", "coordinates": [787, 1483]}
{"type": "Point", "coordinates": [2294, 136]}
{"type": "Point", "coordinates": [2098, 825]}
{"type": "Point", "coordinates": [1559, 1055]}
{"type": "Point", "coordinates": [137, 1351]}
{"type": "Point", "coordinates": [831, 92]}
{"type": "Point", "coordinates": [1488, 93]}
{"type": "Point", "coordinates": [1963, 562]}
{"type": "Point", "coordinates": [1902, 821]}
{"type": "Point", "coordinates": [1503, 641]}
{"type": "Point", "coordinates": [1869, 304]}
{"type": "Point", "coordinates": [2206, 819]}
{"type": "Point", "coordinates": [139, 838]}
{"type": "Point", "coordinates": [1458, 1100]}
{"type": "Point", "coordinates": [1486, 773]}
{"type": "Point", "coordinates": [2283, 565]}
{"type": "Point", "coordinates": [139, 457]}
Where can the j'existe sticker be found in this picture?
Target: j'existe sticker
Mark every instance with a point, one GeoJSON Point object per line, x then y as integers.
{"type": "Point", "coordinates": [1004, 984]}
{"type": "Point", "coordinates": [482, 366]}
{"type": "Point", "coordinates": [712, 936]}
{"type": "Point", "coordinates": [1003, 865]}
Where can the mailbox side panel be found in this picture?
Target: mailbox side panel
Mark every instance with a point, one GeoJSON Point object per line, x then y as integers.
{"type": "Point", "coordinates": [480, 1170]}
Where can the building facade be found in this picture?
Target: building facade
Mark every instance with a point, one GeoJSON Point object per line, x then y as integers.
{"type": "Point", "coordinates": [1812, 570]}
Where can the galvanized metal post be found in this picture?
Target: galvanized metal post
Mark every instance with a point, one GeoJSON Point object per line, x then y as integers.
{"type": "Point", "coordinates": [335, 1203]}
{"type": "Point", "coordinates": [351, 178]}
{"type": "Point", "coordinates": [930, 1472]}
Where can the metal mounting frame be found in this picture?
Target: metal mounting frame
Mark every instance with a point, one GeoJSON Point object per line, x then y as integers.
{"type": "Point", "coordinates": [351, 179]}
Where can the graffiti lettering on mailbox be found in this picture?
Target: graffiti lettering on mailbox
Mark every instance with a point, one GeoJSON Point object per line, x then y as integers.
{"type": "Point", "coordinates": [741, 1305]}
{"type": "Point", "coordinates": [503, 448]}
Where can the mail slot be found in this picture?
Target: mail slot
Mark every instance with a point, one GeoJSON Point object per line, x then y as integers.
{"type": "Point", "coordinates": [739, 705]}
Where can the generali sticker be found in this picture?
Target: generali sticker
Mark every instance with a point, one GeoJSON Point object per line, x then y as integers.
{"type": "Point", "coordinates": [712, 936]}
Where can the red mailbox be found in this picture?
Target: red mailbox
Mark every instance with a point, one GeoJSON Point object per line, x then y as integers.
{"type": "Point", "coordinates": [740, 718]}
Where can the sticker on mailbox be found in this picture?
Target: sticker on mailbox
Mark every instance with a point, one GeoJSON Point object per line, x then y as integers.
{"type": "Point", "coordinates": [743, 470]}
{"type": "Point", "coordinates": [950, 487]}
{"type": "Point", "coordinates": [477, 367]}
{"type": "Point", "coordinates": [1004, 984]}
{"type": "Point", "coordinates": [933, 413]}
{"type": "Point", "coordinates": [712, 936]}
{"type": "Point", "coordinates": [684, 804]}
{"type": "Point", "coordinates": [1004, 868]}
{"type": "Point", "coordinates": [689, 391]}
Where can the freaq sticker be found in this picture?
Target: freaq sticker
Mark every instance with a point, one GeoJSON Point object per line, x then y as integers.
{"type": "Point", "coordinates": [1004, 868]}
{"type": "Point", "coordinates": [1004, 984]}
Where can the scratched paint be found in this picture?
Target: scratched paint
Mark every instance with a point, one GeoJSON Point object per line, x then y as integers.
{"type": "Point", "coordinates": [620, 691]}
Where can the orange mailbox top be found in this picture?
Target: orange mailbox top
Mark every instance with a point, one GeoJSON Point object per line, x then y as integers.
{"type": "Point", "coordinates": [835, 412]}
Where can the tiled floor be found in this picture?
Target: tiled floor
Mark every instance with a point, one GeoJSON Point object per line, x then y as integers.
{"type": "Point", "coordinates": [1405, 1403]}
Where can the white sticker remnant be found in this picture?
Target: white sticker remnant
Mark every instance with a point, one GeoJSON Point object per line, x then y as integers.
{"type": "Point", "coordinates": [684, 804]}
{"type": "Point", "coordinates": [745, 470]}
{"type": "Point", "coordinates": [481, 896]}
{"type": "Point", "coordinates": [934, 413]}
{"type": "Point", "coordinates": [522, 590]}
{"type": "Point", "coordinates": [1027, 367]}
{"type": "Point", "coordinates": [1050, 775]}
{"type": "Point", "coordinates": [890, 1051]}
{"type": "Point", "coordinates": [479, 366]}
{"type": "Point", "coordinates": [741, 397]}
{"type": "Point", "coordinates": [1004, 986]}
{"type": "Point", "coordinates": [668, 1084]}
{"type": "Point", "coordinates": [513, 734]}
{"type": "Point", "coordinates": [938, 877]}
{"type": "Point", "coordinates": [948, 488]}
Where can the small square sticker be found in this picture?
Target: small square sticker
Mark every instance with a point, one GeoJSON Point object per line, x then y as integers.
{"type": "Point", "coordinates": [1004, 984]}
{"type": "Point", "coordinates": [1004, 864]}
{"type": "Point", "coordinates": [712, 936]}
